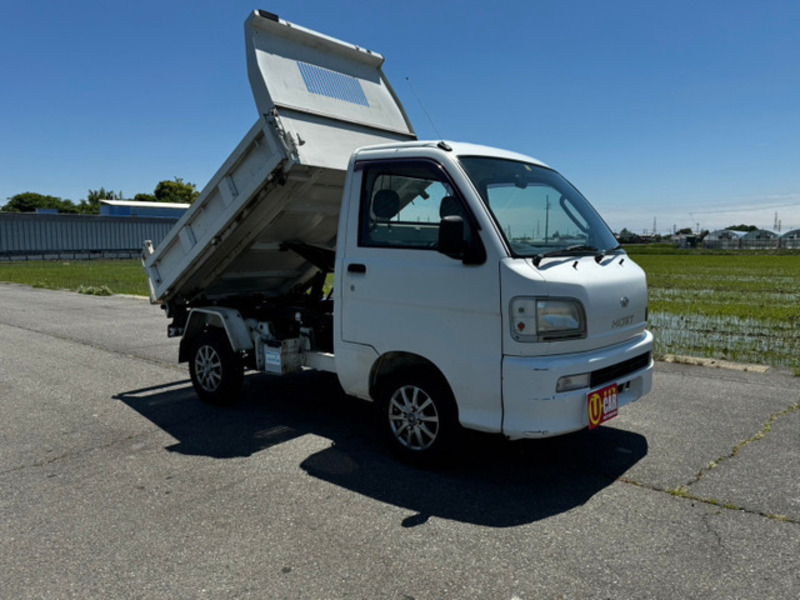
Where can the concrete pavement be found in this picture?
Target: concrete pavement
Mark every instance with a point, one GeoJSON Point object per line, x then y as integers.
{"type": "Point", "coordinates": [116, 482]}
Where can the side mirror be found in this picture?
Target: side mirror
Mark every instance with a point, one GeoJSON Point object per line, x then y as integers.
{"type": "Point", "coordinates": [451, 236]}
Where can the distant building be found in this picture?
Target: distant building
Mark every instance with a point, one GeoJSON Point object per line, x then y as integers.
{"type": "Point", "coordinates": [791, 239]}
{"type": "Point", "coordinates": [29, 236]}
{"type": "Point", "coordinates": [760, 239]}
{"type": "Point", "coordinates": [723, 239]}
{"type": "Point", "coordinates": [135, 208]}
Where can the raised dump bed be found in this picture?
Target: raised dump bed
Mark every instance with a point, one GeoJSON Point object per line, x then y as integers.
{"type": "Point", "coordinates": [267, 220]}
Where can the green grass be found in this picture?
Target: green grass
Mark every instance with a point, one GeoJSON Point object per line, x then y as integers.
{"type": "Point", "coordinates": [86, 276]}
{"type": "Point", "coordinates": [756, 286]}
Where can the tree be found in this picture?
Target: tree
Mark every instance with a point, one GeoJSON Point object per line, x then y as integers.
{"type": "Point", "coordinates": [30, 201]}
{"type": "Point", "coordinates": [684, 231]}
{"type": "Point", "coordinates": [91, 206]}
{"type": "Point", "coordinates": [628, 237]}
{"type": "Point", "coordinates": [744, 228]}
{"type": "Point", "coordinates": [176, 191]}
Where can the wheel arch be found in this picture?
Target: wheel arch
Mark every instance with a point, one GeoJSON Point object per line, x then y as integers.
{"type": "Point", "coordinates": [392, 362]}
{"type": "Point", "coordinates": [228, 320]}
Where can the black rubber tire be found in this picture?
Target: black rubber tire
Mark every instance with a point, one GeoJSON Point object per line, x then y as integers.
{"type": "Point", "coordinates": [216, 370]}
{"type": "Point", "coordinates": [418, 417]}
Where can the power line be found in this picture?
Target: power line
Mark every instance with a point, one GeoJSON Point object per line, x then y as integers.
{"type": "Point", "coordinates": [746, 209]}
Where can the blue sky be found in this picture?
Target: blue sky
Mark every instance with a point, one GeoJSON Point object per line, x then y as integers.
{"type": "Point", "coordinates": [678, 112]}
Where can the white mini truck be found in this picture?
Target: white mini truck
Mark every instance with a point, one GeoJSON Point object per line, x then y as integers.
{"type": "Point", "coordinates": [474, 287]}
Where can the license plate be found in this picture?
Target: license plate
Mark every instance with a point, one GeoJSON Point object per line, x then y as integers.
{"type": "Point", "coordinates": [602, 405]}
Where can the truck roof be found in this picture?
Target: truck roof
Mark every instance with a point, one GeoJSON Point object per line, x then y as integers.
{"type": "Point", "coordinates": [457, 148]}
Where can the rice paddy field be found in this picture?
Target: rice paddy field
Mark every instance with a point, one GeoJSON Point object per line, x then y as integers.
{"type": "Point", "coordinates": [739, 306]}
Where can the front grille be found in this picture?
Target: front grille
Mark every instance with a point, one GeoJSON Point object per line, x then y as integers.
{"type": "Point", "coordinates": [615, 372]}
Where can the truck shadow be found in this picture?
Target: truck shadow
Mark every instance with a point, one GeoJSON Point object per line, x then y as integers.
{"type": "Point", "coordinates": [493, 483]}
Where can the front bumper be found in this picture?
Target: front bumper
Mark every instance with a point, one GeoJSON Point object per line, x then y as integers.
{"type": "Point", "coordinates": [533, 409]}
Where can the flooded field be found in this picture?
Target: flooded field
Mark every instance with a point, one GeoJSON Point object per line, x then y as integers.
{"type": "Point", "coordinates": [741, 307]}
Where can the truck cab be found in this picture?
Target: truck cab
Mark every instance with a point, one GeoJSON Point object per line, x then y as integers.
{"type": "Point", "coordinates": [492, 272]}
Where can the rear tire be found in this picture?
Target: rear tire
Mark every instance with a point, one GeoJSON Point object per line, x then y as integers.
{"type": "Point", "coordinates": [418, 417]}
{"type": "Point", "coordinates": [216, 370]}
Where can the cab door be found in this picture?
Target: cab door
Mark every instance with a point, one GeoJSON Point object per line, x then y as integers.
{"type": "Point", "coordinates": [397, 293]}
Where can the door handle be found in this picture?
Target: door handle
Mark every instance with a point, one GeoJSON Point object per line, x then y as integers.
{"type": "Point", "coordinates": [356, 268]}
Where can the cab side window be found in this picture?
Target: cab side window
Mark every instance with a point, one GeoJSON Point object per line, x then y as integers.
{"type": "Point", "coordinates": [402, 203]}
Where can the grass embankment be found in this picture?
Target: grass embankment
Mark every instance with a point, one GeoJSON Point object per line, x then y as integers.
{"type": "Point", "coordinates": [100, 277]}
{"type": "Point", "coordinates": [733, 305]}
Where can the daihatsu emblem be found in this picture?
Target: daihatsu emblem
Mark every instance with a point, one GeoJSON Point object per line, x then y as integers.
{"type": "Point", "coordinates": [624, 301]}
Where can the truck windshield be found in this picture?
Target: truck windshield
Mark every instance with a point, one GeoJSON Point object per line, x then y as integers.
{"type": "Point", "coordinates": [538, 211]}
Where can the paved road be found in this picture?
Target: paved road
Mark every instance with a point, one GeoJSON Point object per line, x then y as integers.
{"type": "Point", "coordinates": [115, 482]}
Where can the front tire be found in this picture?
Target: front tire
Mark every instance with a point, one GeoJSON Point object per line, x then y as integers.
{"type": "Point", "coordinates": [216, 370]}
{"type": "Point", "coordinates": [418, 417]}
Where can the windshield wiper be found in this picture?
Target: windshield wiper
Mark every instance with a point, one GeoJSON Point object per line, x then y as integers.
{"type": "Point", "coordinates": [601, 255]}
{"type": "Point", "coordinates": [568, 251]}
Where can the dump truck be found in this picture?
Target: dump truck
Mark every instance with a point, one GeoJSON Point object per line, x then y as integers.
{"type": "Point", "coordinates": [473, 287]}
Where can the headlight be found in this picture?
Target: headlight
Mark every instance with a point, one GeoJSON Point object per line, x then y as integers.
{"type": "Point", "coordinates": [547, 319]}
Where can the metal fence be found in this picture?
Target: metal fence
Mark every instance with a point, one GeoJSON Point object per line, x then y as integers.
{"type": "Point", "coordinates": [25, 236]}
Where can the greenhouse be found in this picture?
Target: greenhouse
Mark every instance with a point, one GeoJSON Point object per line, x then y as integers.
{"type": "Point", "coordinates": [791, 239]}
{"type": "Point", "coordinates": [722, 238]}
{"type": "Point", "coordinates": [759, 239]}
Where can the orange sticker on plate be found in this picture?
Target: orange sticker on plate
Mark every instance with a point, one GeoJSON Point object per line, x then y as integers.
{"type": "Point", "coordinates": [602, 405]}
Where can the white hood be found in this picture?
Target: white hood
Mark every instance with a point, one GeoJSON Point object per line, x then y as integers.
{"type": "Point", "coordinates": [613, 292]}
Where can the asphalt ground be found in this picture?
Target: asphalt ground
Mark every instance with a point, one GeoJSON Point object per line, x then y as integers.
{"type": "Point", "coordinates": [116, 482]}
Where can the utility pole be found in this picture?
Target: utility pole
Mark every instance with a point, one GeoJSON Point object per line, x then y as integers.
{"type": "Point", "coordinates": [546, 218]}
